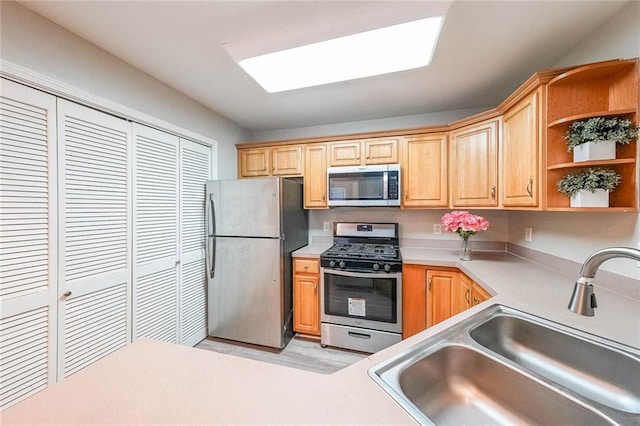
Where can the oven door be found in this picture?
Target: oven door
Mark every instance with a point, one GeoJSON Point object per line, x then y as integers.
{"type": "Point", "coordinates": [362, 299]}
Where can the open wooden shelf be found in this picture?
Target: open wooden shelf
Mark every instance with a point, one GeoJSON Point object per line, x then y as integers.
{"type": "Point", "coordinates": [604, 89]}
{"type": "Point", "coordinates": [594, 163]}
{"type": "Point", "coordinates": [622, 113]}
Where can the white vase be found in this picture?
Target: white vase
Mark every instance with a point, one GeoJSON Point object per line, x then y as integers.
{"type": "Point", "coordinates": [584, 198]}
{"type": "Point", "coordinates": [602, 150]}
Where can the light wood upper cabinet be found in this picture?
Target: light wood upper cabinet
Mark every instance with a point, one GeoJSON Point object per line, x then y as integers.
{"type": "Point", "coordinates": [474, 165]}
{"type": "Point", "coordinates": [424, 171]}
{"type": "Point", "coordinates": [363, 152]}
{"type": "Point", "coordinates": [520, 158]}
{"type": "Point", "coordinates": [381, 151]}
{"type": "Point", "coordinates": [254, 162]}
{"type": "Point", "coordinates": [306, 296]}
{"type": "Point", "coordinates": [286, 160]}
{"type": "Point", "coordinates": [315, 176]}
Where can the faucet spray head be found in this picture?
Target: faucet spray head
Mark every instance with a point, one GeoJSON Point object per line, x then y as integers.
{"type": "Point", "coordinates": [583, 299]}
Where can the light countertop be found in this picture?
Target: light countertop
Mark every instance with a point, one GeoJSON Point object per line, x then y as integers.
{"type": "Point", "coordinates": [155, 382]}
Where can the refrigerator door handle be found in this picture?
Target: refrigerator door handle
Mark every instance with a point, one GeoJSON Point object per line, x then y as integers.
{"type": "Point", "coordinates": [211, 216]}
{"type": "Point", "coordinates": [211, 255]}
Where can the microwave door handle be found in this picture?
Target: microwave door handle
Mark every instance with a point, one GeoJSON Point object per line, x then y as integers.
{"type": "Point", "coordinates": [385, 185]}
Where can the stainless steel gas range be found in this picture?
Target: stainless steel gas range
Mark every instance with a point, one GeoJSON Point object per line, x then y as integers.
{"type": "Point", "coordinates": [361, 287]}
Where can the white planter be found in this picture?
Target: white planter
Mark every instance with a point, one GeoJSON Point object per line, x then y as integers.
{"type": "Point", "coordinates": [585, 198]}
{"type": "Point", "coordinates": [604, 150]}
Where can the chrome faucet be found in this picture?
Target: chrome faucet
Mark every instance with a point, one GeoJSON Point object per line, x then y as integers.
{"type": "Point", "coordinates": [583, 299]}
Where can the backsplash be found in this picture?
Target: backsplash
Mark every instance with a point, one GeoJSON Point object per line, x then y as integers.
{"type": "Point", "coordinates": [416, 226]}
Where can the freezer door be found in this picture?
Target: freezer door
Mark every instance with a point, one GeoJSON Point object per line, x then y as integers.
{"type": "Point", "coordinates": [244, 207]}
{"type": "Point", "coordinates": [245, 297]}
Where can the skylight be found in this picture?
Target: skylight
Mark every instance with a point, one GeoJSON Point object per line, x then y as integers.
{"type": "Point", "coordinates": [381, 51]}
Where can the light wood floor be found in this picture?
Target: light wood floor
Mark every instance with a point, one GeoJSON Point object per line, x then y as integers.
{"type": "Point", "coordinates": [299, 353]}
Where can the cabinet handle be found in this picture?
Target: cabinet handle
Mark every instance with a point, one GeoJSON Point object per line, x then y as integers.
{"type": "Point", "coordinates": [322, 197]}
{"type": "Point", "coordinates": [306, 267]}
{"type": "Point", "coordinates": [429, 283]}
{"type": "Point", "coordinates": [315, 287]}
{"type": "Point", "coordinates": [466, 296]}
{"type": "Point", "coordinates": [493, 192]}
{"type": "Point", "coordinates": [177, 262]}
{"type": "Point", "coordinates": [66, 293]}
{"type": "Point", "coordinates": [530, 188]}
{"type": "Point", "coordinates": [406, 195]}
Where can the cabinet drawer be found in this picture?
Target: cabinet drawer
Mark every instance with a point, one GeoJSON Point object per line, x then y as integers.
{"type": "Point", "coordinates": [306, 266]}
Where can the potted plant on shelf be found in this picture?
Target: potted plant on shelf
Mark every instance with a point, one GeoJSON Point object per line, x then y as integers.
{"type": "Point", "coordinates": [596, 138]}
{"type": "Point", "coordinates": [589, 188]}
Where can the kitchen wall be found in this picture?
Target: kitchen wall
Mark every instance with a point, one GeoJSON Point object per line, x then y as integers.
{"type": "Point", "coordinates": [576, 235]}
{"type": "Point", "coordinates": [400, 122]}
{"type": "Point", "coordinates": [415, 225]}
{"type": "Point", "coordinates": [31, 41]}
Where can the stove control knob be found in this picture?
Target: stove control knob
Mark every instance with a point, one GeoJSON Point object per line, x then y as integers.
{"type": "Point", "coordinates": [332, 263]}
{"type": "Point", "coordinates": [387, 267]}
{"type": "Point", "coordinates": [376, 266]}
{"type": "Point", "coordinates": [342, 264]}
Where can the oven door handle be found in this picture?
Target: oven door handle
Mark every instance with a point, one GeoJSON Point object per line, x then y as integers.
{"type": "Point", "coordinates": [361, 274]}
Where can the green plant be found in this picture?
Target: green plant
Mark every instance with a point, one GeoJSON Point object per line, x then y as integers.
{"type": "Point", "coordinates": [589, 180]}
{"type": "Point", "coordinates": [598, 129]}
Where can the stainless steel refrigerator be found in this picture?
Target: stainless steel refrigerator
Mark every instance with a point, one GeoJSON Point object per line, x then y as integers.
{"type": "Point", "coordinates": [253, 226]}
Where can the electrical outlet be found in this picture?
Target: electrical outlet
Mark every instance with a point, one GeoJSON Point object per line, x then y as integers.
{"type": "Point", "coordinates": [325, 226]}
{"type": "Point", "coordinates": [528, 234]}
{"type": "Point", "coordinates": [437, 228]}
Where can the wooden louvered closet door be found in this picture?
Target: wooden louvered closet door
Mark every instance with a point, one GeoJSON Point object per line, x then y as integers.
{"type": "Point", "coordinates": [155, 246]}
{"type": "Point", "coordinates": [94, 236]}
{"type": "Point", "coordinates": [195, 170]}
{"type": "Point", "coordinates": [27, 242]}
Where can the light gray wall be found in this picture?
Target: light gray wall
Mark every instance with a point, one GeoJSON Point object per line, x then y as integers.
{"type": "Point", "coordinates": [576, 235]}
{"type": "Point", "coordinates": [400, 122]}
{"type": "Point", "coordinates": [29, 40]}
{"type": "Point", "coordinates": [414, 224]}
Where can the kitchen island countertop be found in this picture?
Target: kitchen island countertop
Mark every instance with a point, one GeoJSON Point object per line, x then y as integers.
{"type": "Point", "coordinates": [156, 382]}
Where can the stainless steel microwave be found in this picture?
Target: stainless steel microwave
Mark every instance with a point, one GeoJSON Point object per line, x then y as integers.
{"type": "Point", "coordinates": [364, 185]}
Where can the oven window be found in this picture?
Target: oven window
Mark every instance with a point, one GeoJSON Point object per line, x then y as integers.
{"type": "Point", "coordinates": [360, 297]}
{"type": "Point", "coordinates": [357, 186]}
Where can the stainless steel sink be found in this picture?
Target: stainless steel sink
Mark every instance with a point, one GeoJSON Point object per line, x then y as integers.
{"type": "Point", "coordinates": [456, 384]}
{"type": "Point", "coordinates": [503, 366]}
{"type": "Point", "coordinates": [599, 372]}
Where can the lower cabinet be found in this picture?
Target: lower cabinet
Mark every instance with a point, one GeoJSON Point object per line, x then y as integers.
{"type": "Point", "coordinates": [431, 295]}
{"type": "Point", "coordinates": [306, 296]}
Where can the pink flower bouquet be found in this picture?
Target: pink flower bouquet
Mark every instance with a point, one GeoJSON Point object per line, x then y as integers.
{"type": "Point", "coordinates": [464, 223]}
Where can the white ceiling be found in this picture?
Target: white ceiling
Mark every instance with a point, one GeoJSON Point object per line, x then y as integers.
{"type": "Point", "coordinates": [486, 50]}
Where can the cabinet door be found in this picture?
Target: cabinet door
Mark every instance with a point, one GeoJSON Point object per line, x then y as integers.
{"type": "Point", "coordinates": [28, 238]}
{"type": "Point", "coordinates": [306, 304]}
{"type": "Point", "coordinates": [94, 314]}
{"type": "Point", "coordinates": [315, 176]}
{"type": "Point", "coordinates": [254, 162]}
{"type": "Point", "coordinates": [474, 165]}
{"type": "Point", "coordinates": [461, 294]}
{"type": "Point", "coordinates": [479, 294]}
{"type": "Point", "coordinates": [345, 154]}
{"type": "Point", "coordinates": [520, 154]}
{"type": "Point", "coordinates": [156, 211]}
{"type": "Point", "coordinates": [424, 171]}
{"type": "Point", "coordinates": [381, 151]}
{"type": "Point", "coordinates": [440, 284]}
{"type": "Point", "coordinates": [287, 161]}
{"type": "Point", "coordinates": [414, 299]}
{"type": "Point", "coordinates": [195, 170]}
